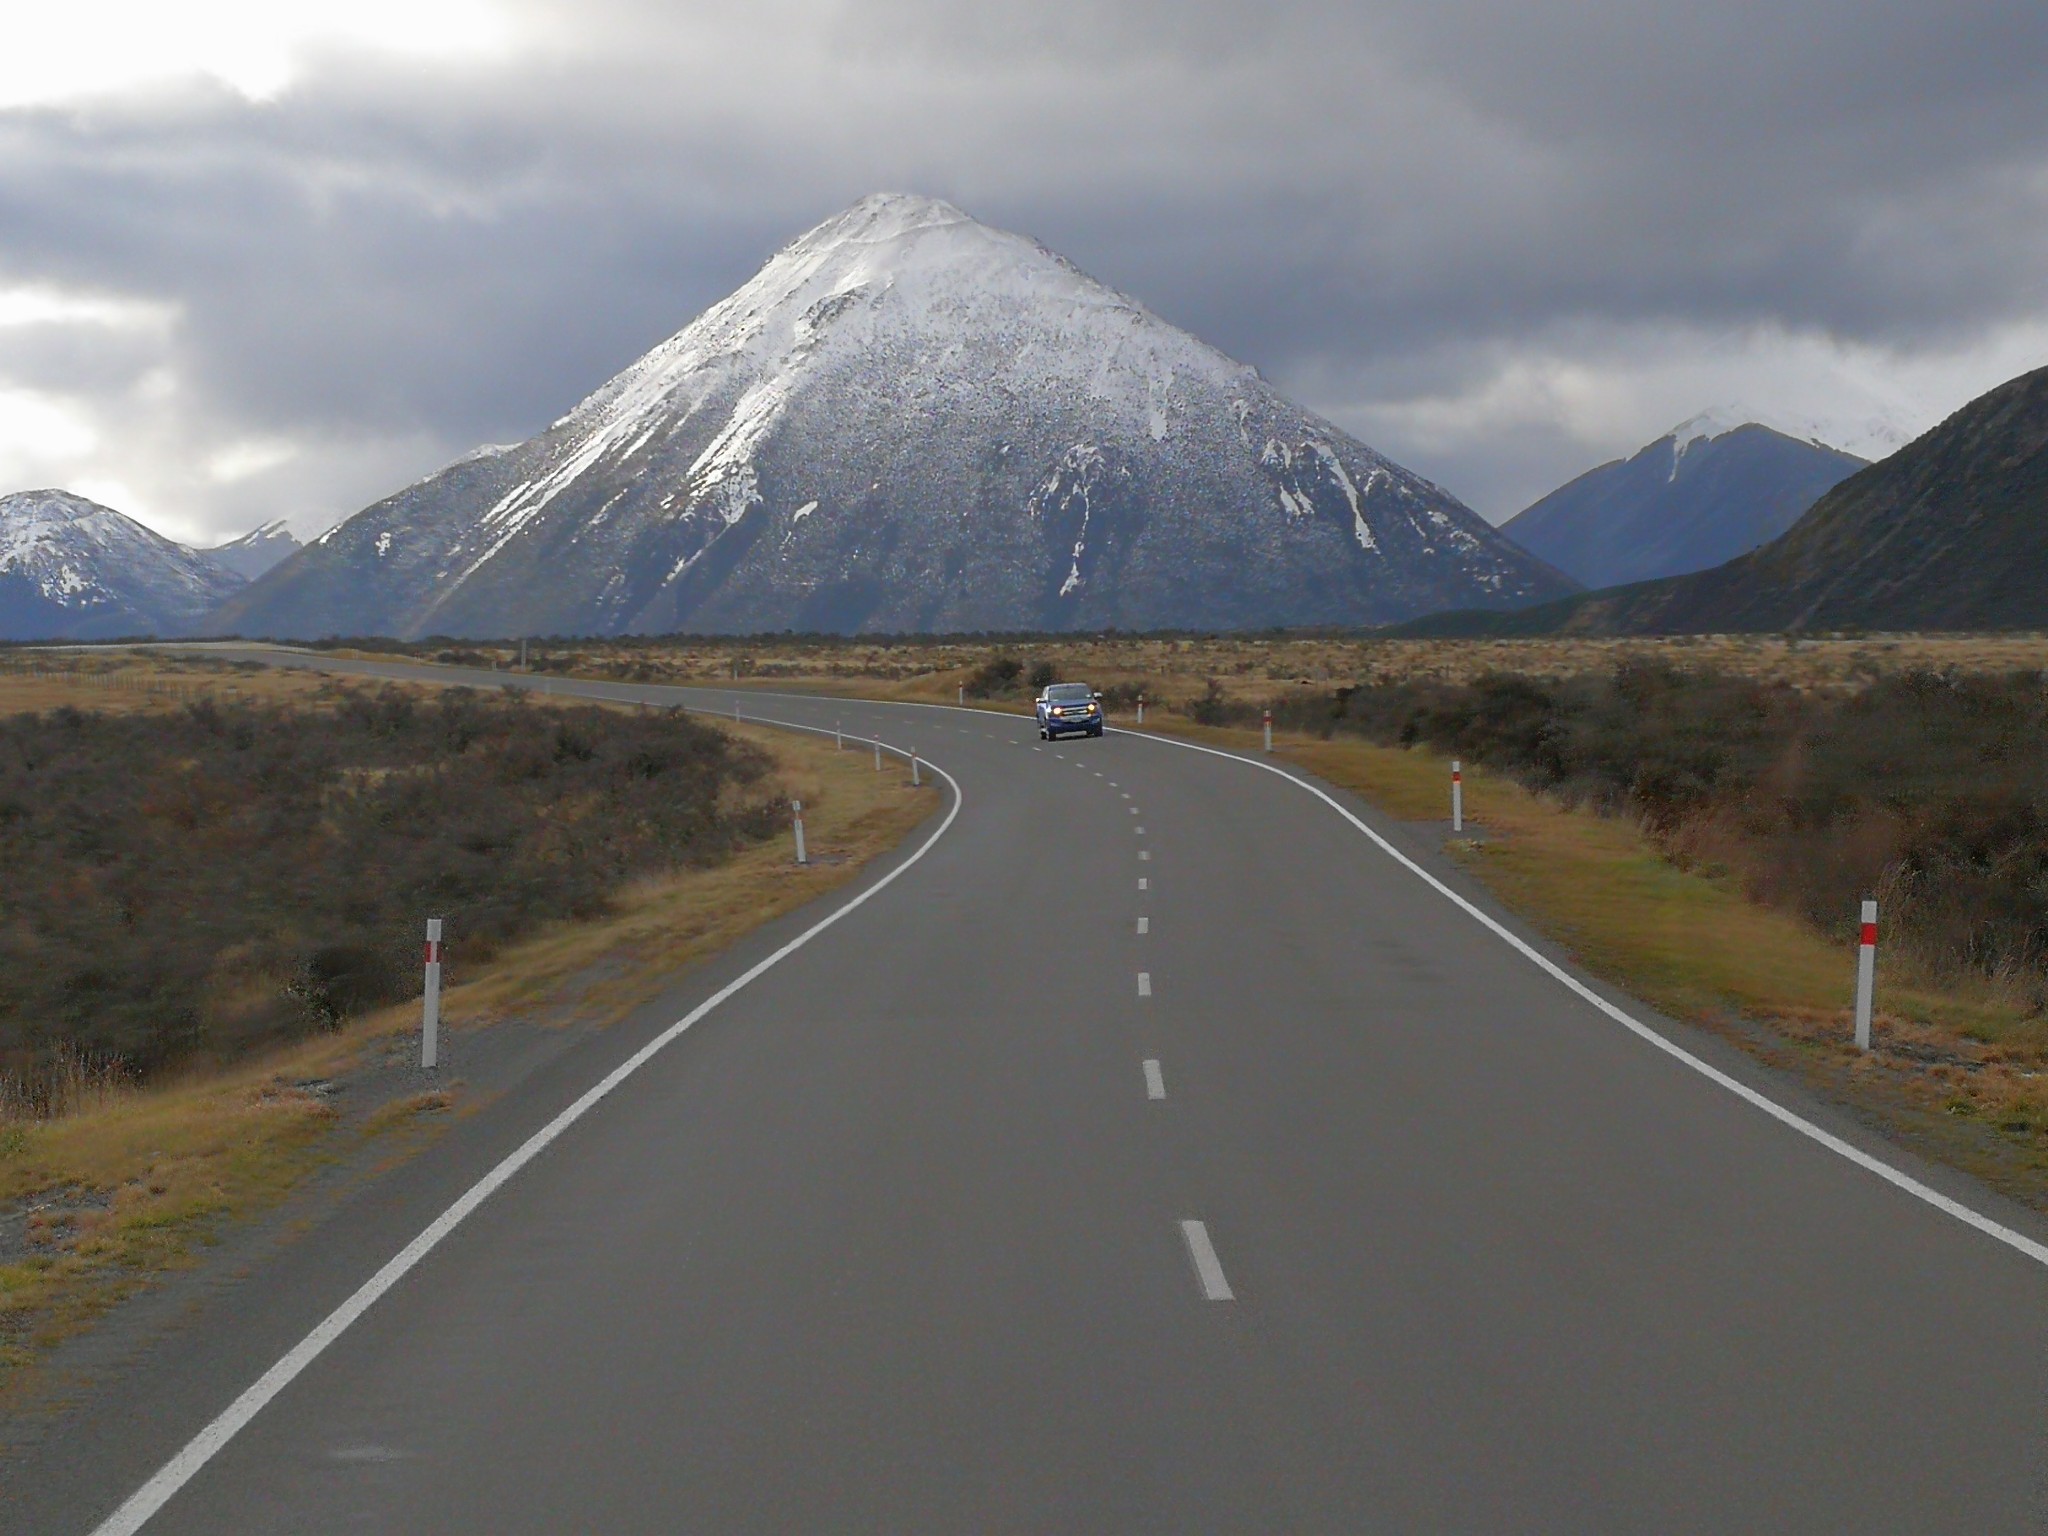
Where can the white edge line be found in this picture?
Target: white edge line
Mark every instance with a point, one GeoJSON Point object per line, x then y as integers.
{"type": "Point", "coordinates": [1208, 1268]}
{"type": "Point", "coordinates": [2018, 1241]}
{"type": "Point", "coordinates": [186, 1464]}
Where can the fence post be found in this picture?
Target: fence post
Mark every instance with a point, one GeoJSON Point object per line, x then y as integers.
{"type": "Point", "coordinates": [1269, 730]}
{"type": "Point", "coordinates": [1457, 796]}
{"type": "Point", "coordinates": [430, 1016]}
{"type": "Point", "coordinates": [1866, 974]}
{"type": "Point", "coordinates": [797, 808]}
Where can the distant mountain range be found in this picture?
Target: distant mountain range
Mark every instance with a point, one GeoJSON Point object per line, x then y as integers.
{"type": "Point", "coordinates": [1710, 489]}
{"type": "Point", "coordinates": [907, 421]}
{"type": "Point", "coordinates": [72, 569]}
{"type": "Point", "coordinates": [254, 552]}
{"type": "Point", "coordinates": [1949, 533]}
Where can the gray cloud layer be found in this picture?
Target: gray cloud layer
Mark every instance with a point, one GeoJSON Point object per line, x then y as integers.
{"type": "Point", "coordinates": [1483, 234]}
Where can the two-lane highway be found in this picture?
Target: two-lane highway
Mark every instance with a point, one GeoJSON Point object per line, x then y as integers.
{"type": "Point", "coordinates": [1153, 1154]}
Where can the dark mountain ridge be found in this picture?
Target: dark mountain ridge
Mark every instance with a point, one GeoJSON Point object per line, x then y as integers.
{"type": "Point", "coordinates": [1703, 493]}
{"type": "Point", "coordinates": [1949, 533]}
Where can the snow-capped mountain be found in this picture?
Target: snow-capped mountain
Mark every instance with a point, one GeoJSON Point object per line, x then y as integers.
{"type": "Point", "coordinates": [907, 421]}
{"type": "Point", "coordinates": [255, 551]}
{"type": "Point", "coordinates": [1712, 488]}
{"type": "Point", "coordinates": [75, 570]}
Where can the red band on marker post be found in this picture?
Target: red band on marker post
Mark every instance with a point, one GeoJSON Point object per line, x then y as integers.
{"type": "Point", "coordinates": [1866, 972]}
{"type": "Point", "coordinates": [433, 955]}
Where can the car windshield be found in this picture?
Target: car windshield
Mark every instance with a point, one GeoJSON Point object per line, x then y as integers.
{"type": "Point", "coordinates": [1067, 693]}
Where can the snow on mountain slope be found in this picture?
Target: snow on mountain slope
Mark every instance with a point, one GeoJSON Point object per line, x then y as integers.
{"type": "Point", "coordinates": [73, 569]}
{"type": "Point", "coordinates": [908, 421]}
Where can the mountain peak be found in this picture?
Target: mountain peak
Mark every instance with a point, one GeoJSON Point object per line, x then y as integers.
{"type": "Point", "coordinates": [1704, 492]}
{"type": "Point", "coordinates": [908, 420]}
{"type": "Point", "coordinates": [882, 216]}
{"type": "Point", "coordinates": [71, 568]}
{"type": "Point", "coordinates": [1715, 421]}
{"type": "Point", "coordinates": [255, 551]}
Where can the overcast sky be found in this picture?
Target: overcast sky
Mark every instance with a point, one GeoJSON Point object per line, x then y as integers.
{"type": "Point", "coordinates": [277, 259]}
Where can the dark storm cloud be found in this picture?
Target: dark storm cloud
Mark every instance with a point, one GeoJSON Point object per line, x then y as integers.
{"type": "Point", "coordinates": [1370, 203]}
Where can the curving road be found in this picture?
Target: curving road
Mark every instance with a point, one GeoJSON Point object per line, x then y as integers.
{"type": "Point", "coordinates": [1154, 1153]}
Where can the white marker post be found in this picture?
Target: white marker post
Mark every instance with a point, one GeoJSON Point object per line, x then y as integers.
{"type": "Point", "coordinates": [797, 810]}
{"type": "Point", "coordinates": [430, 1018]}
{"type": "Point", "coordinates": [838, 738]}
{"type": "Point", "coordinates": [735, 709]}
{"type": "Point", "coordinates": [1866, 974]}
{"type": "Point", "coordinates": [916, 780]}
{"type": "Point", "coordinates": [1457, 796]}
{"type": "Point", "coordinates": [878, 757]}
{"type": "Point", "coordinates": [1269, 730]}
{"type": "Point", "coordinates": [963, 693]}
{"type": "Point", "coordinates": [1141, 709]}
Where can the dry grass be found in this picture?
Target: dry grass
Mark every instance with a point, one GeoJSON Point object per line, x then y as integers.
{"type": "Point", "coordinates": [127, 682]}
{"type": "Point", "coordinates": [127, 1182]}
{"type": "Point", "coordinates": [1251, 667]}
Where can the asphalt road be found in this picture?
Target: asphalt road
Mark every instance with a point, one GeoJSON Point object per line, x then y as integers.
{"type": "Point", "coordinates": [1153, 1154]}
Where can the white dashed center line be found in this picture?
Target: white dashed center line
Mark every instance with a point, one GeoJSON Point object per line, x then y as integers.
{"type": "Point", "coordinates": [1144, 983]}
{"type": "Point", "coordinates": [1144, 884]}
{"type": "Point", "coordinates": [1144, 854]}
{"type": "Point", "coordinates": [1155, 1081]}
{"type": "Point", "coordinates": [1144, 925]}
{"type": "Point", "coordinates": [1208, 1268]}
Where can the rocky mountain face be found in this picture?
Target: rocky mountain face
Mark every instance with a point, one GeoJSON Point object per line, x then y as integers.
{"type": "Point", "coordinates": [1708, 490]}
{"type": "Point", "coordinates": [71, 569]}
{"type": "Point", "coordinates": [907, 421]}
{"type": "Point", "coordinates": [254, 552]}
{"type": "Point", "coordinates": [1949, 533]}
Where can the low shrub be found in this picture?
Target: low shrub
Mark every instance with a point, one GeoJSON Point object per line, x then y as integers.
{"type": "Point", "coordinates": [194, 884]}
{"type": "Point", "coordinates": [1927, 789]}
{"type": "Point", "coordinates": [995, 677]}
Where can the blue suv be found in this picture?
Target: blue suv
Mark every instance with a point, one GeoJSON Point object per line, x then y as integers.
{"type": "Point", "coordinates": [1069, 709]}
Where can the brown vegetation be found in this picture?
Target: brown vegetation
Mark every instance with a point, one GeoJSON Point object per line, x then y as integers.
{"type": "Point", "coordinates": [190, 884]}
